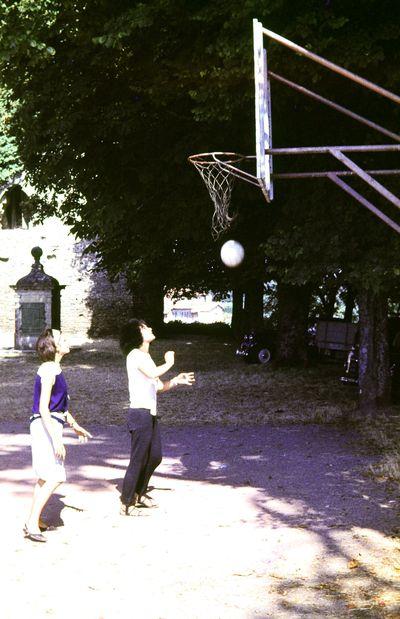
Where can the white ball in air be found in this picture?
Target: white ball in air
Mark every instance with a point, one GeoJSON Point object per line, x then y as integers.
{"type": "Point", "coordinates": [232, 253]}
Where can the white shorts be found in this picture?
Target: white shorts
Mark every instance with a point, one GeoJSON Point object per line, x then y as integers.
{"type": "Point", "coordinates": [44, 461]}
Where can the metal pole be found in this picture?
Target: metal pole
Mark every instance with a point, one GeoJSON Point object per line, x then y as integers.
{"type": "Point", "coordinates": [332, 66]}
{"type": "Point", "coordinates": [371, 207]}
{"type": "Point", "coordinates": [335, 106]}
{"type": "Point", "coordinates": [246, 176]}
{"type": "Point", "coordinates": [321, 150]}
{"type": "Point", "coordinates": [294, 175]}
{"type": "Point", "coordinates": [366, 177]}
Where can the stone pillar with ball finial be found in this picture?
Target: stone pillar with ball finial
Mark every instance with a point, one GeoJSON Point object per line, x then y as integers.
{"type": "Point", "coordinates": [37, 304]}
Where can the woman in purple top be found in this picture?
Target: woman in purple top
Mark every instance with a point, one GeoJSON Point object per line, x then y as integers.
{"type": "Point", "coordinates": [49, 414]}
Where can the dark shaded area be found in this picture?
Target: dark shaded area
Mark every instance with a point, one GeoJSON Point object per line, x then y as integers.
{"type": "Point", "coordinates": [313, 464]}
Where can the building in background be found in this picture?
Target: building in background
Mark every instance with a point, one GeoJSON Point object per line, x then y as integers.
{"type": "Point", "coordinates": [201, 308]}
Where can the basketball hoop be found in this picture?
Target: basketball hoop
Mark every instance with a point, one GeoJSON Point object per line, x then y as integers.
{"type": "Point", "coordinates": [219, 169]}
{"type": "Point", "coordinates": [215, 170]}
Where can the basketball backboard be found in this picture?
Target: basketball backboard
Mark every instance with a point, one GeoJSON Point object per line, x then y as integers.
{"type": "Point", "coordinates": [262, 112]}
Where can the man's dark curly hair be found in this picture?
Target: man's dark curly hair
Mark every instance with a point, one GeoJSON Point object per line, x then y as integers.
{"type": "Point", "coordinates": [130, 336]}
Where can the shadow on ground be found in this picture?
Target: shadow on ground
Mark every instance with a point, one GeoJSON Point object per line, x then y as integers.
{"type": "Point", "coordinates": [307, 488]}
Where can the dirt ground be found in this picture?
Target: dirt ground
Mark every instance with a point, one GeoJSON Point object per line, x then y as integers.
{"type": "Point", "coordinates": [253, 522]}
{"type": "Point", "coordinates": [262, 513]}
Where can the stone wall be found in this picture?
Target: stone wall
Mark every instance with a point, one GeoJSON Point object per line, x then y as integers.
{"type": "Point", "coordinates": [91, 306]}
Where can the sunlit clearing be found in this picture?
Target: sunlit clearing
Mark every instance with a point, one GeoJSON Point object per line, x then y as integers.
{"type": "Point", "coordinates": [173, 466]}
{"type": "Point", "coordinates": [13, 442]}
{"type": "Point", "coordinates": [216, 466]}
{"type": "Point", "coordinates": [279, 506]}
{"type": "Point", "coordinates": [300, 558]}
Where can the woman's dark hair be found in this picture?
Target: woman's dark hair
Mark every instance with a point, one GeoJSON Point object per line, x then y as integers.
{"type": "Point", "coordinates": [130, 336]}
{"type": "Point", "coordinates": [46, 346]}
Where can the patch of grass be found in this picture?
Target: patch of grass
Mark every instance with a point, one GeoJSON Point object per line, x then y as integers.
{"type": "Point", "coordinates": [383, 435]}
{"type": "Point", "coordinates": [227, 390]}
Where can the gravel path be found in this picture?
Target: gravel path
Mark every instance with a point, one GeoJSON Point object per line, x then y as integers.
{"type": "Point", "coordinates": [253, 522]}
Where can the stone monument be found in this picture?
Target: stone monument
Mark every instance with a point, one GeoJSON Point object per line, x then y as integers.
{"type": "Point", "coordinates": [38, 304]}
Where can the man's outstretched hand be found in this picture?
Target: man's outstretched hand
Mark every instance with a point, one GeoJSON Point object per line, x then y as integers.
{"type": "Point", "coordinates": [185, 378]}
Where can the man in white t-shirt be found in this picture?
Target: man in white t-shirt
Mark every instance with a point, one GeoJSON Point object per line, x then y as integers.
{"type": "Point", "coordinates": [144, 384]}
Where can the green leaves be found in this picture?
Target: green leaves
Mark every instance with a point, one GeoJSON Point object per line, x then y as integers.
{"type": "Point", "coordinates": [10, 165]}
{"type": "Point", "coordinates": [110, 98]}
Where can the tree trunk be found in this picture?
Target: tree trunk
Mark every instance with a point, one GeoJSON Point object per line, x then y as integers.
{"type": "Point", "coordinates": [254, 305]}
{"type": "Point", "coordinates": [374, 377]}
{"type": "Point", "coordinates": [350, 303]}
{"type": "Point", "coordinates": [253, 285]}
{"type": "Point", "coordinates": [237, 312]}
{"type": "Point", "coordinates": [293, 309]}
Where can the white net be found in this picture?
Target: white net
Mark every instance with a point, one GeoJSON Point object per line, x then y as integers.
{"type": "Point", "coordinates": [219, 181]}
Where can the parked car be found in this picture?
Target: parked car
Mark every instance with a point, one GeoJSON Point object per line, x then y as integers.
{"type": "Point", "coordinates": [257, 347]}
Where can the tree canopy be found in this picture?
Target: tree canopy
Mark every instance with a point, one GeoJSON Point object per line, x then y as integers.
{"type": "Point", "coordinates": [107, 100]}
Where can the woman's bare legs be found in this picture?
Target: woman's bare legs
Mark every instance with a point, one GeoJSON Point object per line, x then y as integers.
{"type": "Point", "coordinates": [41, 494]}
